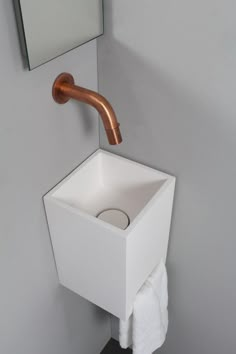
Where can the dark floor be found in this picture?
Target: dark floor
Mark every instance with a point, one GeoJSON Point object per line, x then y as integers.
{"type": "Point", "coordinates": [113, 347]}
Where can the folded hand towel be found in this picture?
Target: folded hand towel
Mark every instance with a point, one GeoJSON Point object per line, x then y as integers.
{"type": "Point", "coordinates": [146, 329]}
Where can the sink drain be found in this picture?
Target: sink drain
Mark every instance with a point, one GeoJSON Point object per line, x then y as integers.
{"type": "Point", "coordinates": [115, 217]}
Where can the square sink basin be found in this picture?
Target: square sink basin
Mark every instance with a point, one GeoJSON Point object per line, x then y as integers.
{"type": "Point", "coordinates": [107, 260]}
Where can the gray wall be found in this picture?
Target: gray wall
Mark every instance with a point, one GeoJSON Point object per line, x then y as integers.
{"type": "Point", "coordinates": [169, 68]}
{"type": "Point", "coordinates": [40, 142]}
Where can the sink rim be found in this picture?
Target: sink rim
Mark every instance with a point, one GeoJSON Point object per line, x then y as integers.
{"type": "Point", "coordinates": [123, 233]}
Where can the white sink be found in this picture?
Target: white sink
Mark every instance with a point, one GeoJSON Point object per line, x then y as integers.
{"type": "Point", "coordinates": [99, 261]}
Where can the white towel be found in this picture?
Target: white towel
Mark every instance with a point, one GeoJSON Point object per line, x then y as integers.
{"type": "Point", "coordinates": [146, 328]}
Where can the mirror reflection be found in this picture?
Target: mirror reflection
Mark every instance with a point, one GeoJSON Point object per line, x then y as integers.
{"type": "Point", "coordinates": [50, 28]}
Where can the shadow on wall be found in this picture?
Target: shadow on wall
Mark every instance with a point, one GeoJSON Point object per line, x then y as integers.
{"type": "Point", "coordinates": [87, 113]}
{"type": "Point", "coordinates": [76, 308]}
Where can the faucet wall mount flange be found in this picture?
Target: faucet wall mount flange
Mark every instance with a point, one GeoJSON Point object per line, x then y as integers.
{"type": "Point", "coordinates": [64, 78]}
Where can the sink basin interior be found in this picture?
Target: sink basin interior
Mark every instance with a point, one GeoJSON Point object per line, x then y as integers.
{"type": "Point", "coordinates": [105, 181]}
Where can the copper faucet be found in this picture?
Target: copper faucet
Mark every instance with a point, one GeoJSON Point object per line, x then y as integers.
{"type": "Point", "coordinates": [64, 88]}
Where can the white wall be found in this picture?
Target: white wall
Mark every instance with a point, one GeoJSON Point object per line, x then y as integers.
{"type": "Point", "coordinates": [40, 142]}
{"type": "Point", "coordinates": [169, 69]}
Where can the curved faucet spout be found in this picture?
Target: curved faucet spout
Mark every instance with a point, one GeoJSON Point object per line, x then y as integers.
{"type": "Point", "coordinates": [64, 89]}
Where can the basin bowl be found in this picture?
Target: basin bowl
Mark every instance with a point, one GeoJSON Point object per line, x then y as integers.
{"type": "Point", "coordinates": [100, 261]}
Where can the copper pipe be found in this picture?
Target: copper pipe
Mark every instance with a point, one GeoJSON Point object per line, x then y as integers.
{"type": "Point", "coordinates": [64, 89]}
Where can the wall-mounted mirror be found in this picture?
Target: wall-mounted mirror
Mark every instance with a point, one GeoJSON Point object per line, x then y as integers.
{"type": "Point", "coordinates": [50, 28]}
